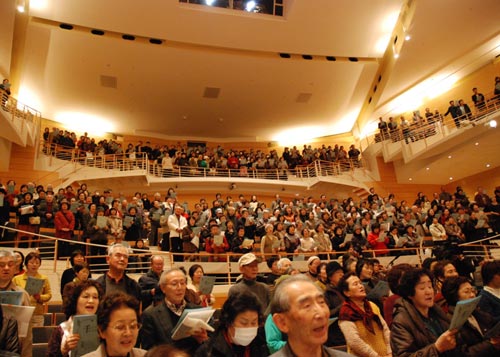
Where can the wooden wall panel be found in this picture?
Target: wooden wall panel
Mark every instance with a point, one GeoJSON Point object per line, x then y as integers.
{"type": "Point", "coordinates": [489, 180]}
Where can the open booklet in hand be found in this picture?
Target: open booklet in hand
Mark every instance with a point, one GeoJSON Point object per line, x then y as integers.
{"type": "Point", "coordinates": [379, 291]}
{"type": "Point", "coordinates": [463, 310]}
{"type": "Point", "coordinates": [11, 297]}
{"type": "Point", "coordinates": [207, 284]}
{"type": "Point", "coordinates": [86, 327]}
{"type": "Point", "coordinates": [34, 285]}
{"type": "Point", "coordinates": [192, 320]}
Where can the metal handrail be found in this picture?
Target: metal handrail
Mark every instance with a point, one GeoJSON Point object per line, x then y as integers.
{"type": "Point", "coordinates": [21, 111]}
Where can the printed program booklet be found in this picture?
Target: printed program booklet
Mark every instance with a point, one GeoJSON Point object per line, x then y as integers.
{"type": "Point", "coordinates": [463, 309]}
{"type": "Point", "coordinates": [86, 327]}
{"type": "Point", "coordinates": [207, 284]}
{"type": "Point", "coordinates": [34, 285]}
{"type": "Point", "coordinates": [192, 320]}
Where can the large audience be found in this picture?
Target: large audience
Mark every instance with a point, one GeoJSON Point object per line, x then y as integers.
{"type": "Point", "coordinates": [376, 310]}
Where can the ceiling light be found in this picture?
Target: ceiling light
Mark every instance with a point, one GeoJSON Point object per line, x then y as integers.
{"type": "Point", "coordinates": [407, 38]}
{"type": "Point", "coordinates": [449, 156]}
{"type": "Point", "coordinates": [493, 123]}
{"type": "Point", "coordinates": [396, 55]}
{"type": "Point", "coordinates": [209, 2]}
{"type": "Point", "coordinates": [451, 178]}
{"type": "Point", "coordinates": [410, 179]}
{"type": "Point", "coordinates": [250, 6]}
{"type": "Point", "coordinates": [476, 144]}
{"type": "Point", "coordinates": [488, 165]}
{"type": "Point", "coordinates": [20, 8]}
{"type": "Point", "coordinates": [427, 168]}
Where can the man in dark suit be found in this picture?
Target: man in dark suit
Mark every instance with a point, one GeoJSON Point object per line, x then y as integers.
{"type": "Point", "coordinates": [159, 321]}
{"type": "Point", "coordinates": [454, 110]}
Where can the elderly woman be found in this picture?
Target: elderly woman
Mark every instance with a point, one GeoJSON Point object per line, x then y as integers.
{"type": "Point", "coordinates": [363, 326]}
{"type": "Point", "coordinates": [40, 298]}
{"type": "Point", "coordinates": [77, 257]}
{"type": "Point", "coordinates": [84, 300]}
{"type": "Point", "coordinates": [196, 273]}
{"type": "Point", "coordinates": [118, 324]}
{"type": "Point", "coordinates": [472, 333]}
{"type": "Point", "coordinates": [237, 334]}
{"type": "Point", "coordinates": [419, 327]}
{"type": "Point", "coordinates": [82, 272]}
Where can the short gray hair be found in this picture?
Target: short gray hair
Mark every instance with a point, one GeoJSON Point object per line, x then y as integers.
{"type": "Point", "coordinates": [112, 248]}
{"type": "Point", "coordinates": [283, 261]}
{"type": "Point", "coordinates": [281, 298]}
{"type": "Point", "coordinates": [163, 277]}
{"type": "Point", "coordinates": [7, 253]}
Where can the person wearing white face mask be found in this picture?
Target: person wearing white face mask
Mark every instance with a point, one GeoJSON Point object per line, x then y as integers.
{"type": "Point", "coordinates": [238, 333]}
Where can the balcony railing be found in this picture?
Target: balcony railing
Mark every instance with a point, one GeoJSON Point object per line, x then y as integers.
{"type": "Point", "coordinates": [140, 161]}
{"type": "Point", "coordinates": [15, 110]}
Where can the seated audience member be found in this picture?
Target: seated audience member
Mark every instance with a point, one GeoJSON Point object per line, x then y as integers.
{"type": "Point", "coordinates": [272, 264]}
{"type": "Point", "coordinates": [9, 341]}
{"type": "Point", "coordinates": [83, 300]}
{"type": "Point", "coordinates": [300, 311]}
{"type": "Point", "coordinates": [149, 283]}
{"type": "Point", "coordinates": [438, 232]}
{"type": "Point", "coordinates": [118, 324]}
{"type": "Point", "coordinates": [442, 270]}
{"type": "Point", "coordinates": [334, 299]}
{"type": "Point", "coordinates": [82, 273]}
{"type": "Point", "coordinates": [472, 342]}
{"type": "Point", "coordinates": [419, 328]}
{"type": "Point", "coordinates": [322, 278]}
{"type": "Point", "coordinates": [159, 321]}
{"type": "Point", "coordinates": [196, 273]}
{"type": "Point", "coordinates": [39, 299]}
{"type": "Point", "coordinates": [68, 275]}
{"type": "Point", "coordinates": [249, 268]}
{"type": "Point", "coordinates": [115, 279]}
{"type": "Point", "coordinates": [393, 278]}
{"type": "Point", "coordinates": [237, 243]}
{"type": "Point", "coordinates": [237, 334]}
{"type": "Point", "coordinates": [363, 326]}
{"type": "Point", "coordinates": [490, 295]}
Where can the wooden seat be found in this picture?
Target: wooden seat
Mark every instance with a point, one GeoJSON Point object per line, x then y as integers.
{"type": "Point", "coordinates": [53, 308]}
{"type": "Point", "coordinates": [59, 317]}
{"type": "Point", "coordinates": [48, 319]}
{"type": "Point", "coordinates": [40, 349]}
{"type": "Point", "coordinates": [42, 334]}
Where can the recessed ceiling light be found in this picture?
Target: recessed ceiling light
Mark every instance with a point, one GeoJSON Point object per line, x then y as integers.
{"type": "Point", "coordinates": [451, 178]}
{"type": "Point", "coordinates": [396, 55]}
{"type": "Point", "coordinates": [493, 123]}
{"type": "Point", "coordinates": [476, 144]}
{"type": "Point", "coordinates": [407, 38]}
{"type": "Point", "coordinates": [427, 168]}
{"type": "Point", "coordinates": [449, 156]}
{"type": "Point", "coordinates": [410, 179]}
{"type": "Point", "coordinates": [488, 165]}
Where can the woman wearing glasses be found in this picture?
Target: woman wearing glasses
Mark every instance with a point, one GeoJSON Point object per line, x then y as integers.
{"type": "Point", "coordinates": [118, 324]}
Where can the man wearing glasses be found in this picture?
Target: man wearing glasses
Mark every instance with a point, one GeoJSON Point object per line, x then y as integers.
{"type": "Point", "coordinates": [158, 321]}
{"type": "Point", "coordinates": [115, 280]}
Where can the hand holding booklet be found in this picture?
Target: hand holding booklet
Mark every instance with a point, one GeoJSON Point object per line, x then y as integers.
{"type": "Point", "coordinates": [86, 327]}
{"type": "Point", "coordinates": [463, 310]}
{"type": "Point", "coordinates": [192, 320]}
{"type": "Point", "coordinates": [207, 284]}
{"type": "Point", "coordinates": [34, 285]}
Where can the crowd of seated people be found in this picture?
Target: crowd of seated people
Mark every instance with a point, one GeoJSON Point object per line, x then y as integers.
{"type": "Point", "coordinates": [420, 127]}
{"type": "Point", "coordinates": [301, 226]}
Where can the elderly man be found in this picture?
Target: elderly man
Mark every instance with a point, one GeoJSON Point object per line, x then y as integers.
{"type": "Point", "coordinates": [7, 264]}
{"type": "Point", "coordinates": [115, 280]}
{"type": "Point", "coordinates": [159, 321]}
{"type": "Point", "coordinates": [150, 283]}
{"type": "Point", "coordinates": [298, 302]}
{"type": "Point", "coordinates": [176, 223]}
{"type": "Point", "coordinates": [249, 268]}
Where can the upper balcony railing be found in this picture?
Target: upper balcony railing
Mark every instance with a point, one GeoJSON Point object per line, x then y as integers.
{"type": "Point", "coordinates": [140, 161]}
{"type": "Point", "coordinates": [432, 125]}
{"type": "Point", "coordinates": [14, 109]}
{"type": "Point", "coordinates": [270, 7]}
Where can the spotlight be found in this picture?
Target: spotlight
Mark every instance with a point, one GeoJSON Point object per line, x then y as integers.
{"type": "Point", "coordinates": [250, 6]}
{"type": "Point", "coordinates": [396, 55]}
{"type": "Point", "coordinates": [209, 2]}
{"type": "Point", "coordinates": [407, 38]}
{"type": "Point", "coordinates": [20, 8]}
{"type": "Point", "coordinates": [493, 123]}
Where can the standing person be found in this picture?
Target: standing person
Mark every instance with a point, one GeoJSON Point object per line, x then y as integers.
{"type": "Point", "coordinates": [249, 268]}
{"type": "Point", "coordinates": [118, 325]}
{"type": "Point", "coordinates": [115, 279]}
{"type": "Point", "coordinates": [490, 295]}
{"type": "Point", "coordinates": [5, 86]}
{"type": "Point", "coordinates": [38, 300]}
{"type": "Point", "coordinates": [64, 221]}
{"type": "Point", "coordinates": [382, 127]}
{"type": "Point", "coordinates": [454, 110]}
{"type": "Point", "coordinates": [83, 300]}
{"type": "Point", "coordinates": [334, 299]}
{"type": "Point", "coordinates": [159, 321]}
{"type": "Point", "coordinates": [69, 274]}
{"type": "Point", "coordinates": [7, 264]}
{"type": "Point", "coordinates": [237, 334]}
{"type": "Point", "coordinates": [176, 223]}
{"type": "Point", "coordinates": [478, 99]}
{"type": "Point", "coordinates": [299, 310]}
{"type": "Point", "coordinates": [196, 273]}
{"type": "Point", "coordinates": [150, 283]}
{"type": "Point", "coordinates": [364, 328]}
{"type": "Point", "coordinates": [419, 328]}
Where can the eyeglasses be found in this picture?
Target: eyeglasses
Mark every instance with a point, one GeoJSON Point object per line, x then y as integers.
{"type": "Point", "coordinates": [122, 327]}
{"type": "Point", "coordinates": [9, 264]}
{"type": "Point", "coordinates": [119, 256]}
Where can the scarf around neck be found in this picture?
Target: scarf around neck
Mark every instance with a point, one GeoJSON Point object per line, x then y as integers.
{"type": "Point", "coordinates": [352, 312]}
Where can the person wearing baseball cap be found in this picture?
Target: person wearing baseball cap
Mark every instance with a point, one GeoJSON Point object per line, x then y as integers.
{"type": "Point", "coordinates": [249, 268]}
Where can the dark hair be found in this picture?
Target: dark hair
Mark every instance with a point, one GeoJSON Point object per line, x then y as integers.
{"type": "Point", "coordinates": [79, 267]}
{"type": "Point", "coordinates": [489, 270]}
{"type": "Point", "coordinates": [343, 285]}
{"type": "Point", "coordinates": [394, 276]}
{"type": "Point", "coordinates": [361, 263]}
{"type": "Point", "coordinates": [74, 255]}
{"type": "Point", "coordinates": [331, 268]}
{"type": "Point", "coordinates": [69, 307]}
{"type": "Point", "coordinates": [32, 255]}
{"type": "Point", "coordinates": [409, 280]}
{"type": "Point", "coordinates": [21, 266]}
{"type": "Point", "coordinates": [271, 261]}
{"type": "Point", "coordinates": [236, 304]}
{"type": "Point", "coordinates": [113, 302]}
{"type": "Point", "coordinates": [438, 270]}
{"type": "Point", "coordinates": [375, 226]}
{"type": "Point", "coordinates": [428, 262]}
{"type": "Point", "coordinates": [193, 269]}
{"type": "Point", "coordinates": [450, 289]}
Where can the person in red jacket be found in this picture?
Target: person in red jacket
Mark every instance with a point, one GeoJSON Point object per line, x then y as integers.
{"type": "Point", "coordinates": [378, 241]}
